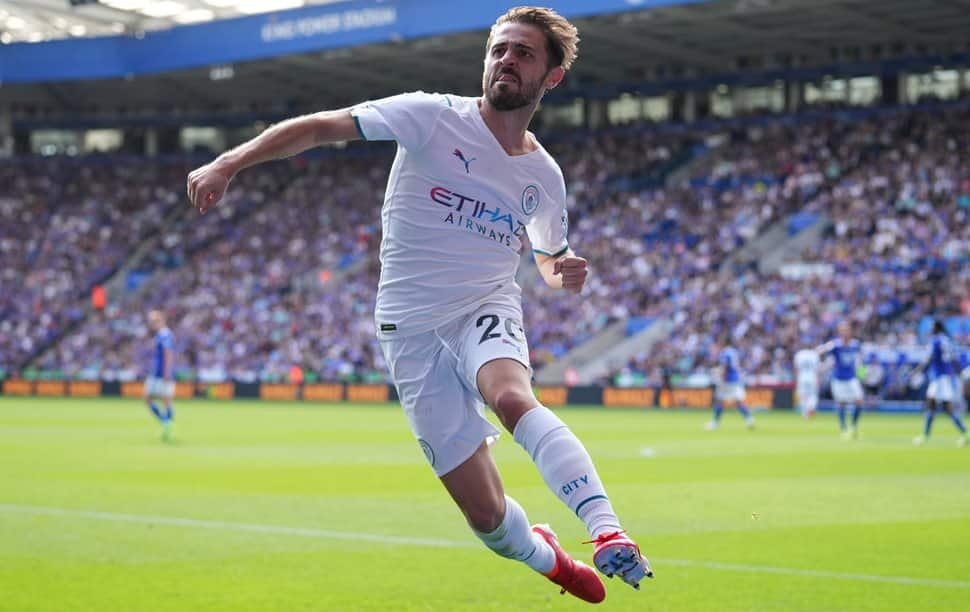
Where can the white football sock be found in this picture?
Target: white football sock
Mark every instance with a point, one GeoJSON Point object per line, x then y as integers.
{"type": "Point", "coordinates": [566, 467]}
{"type": "Point", "coordinates": [514, 539]}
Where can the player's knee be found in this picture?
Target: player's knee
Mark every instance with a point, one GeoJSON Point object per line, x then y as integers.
{"type": "Point", "coordinates": [484, 518]}
{"type": "Point", "coordinates": [511, 404]}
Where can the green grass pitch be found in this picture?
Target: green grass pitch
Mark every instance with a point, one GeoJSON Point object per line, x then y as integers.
{"type": "Point", "coordinates": [286, 506]}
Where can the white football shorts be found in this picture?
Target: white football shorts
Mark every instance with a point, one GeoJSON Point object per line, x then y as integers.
{"type": "Point", "coordinates": [730, 392]}
{"type": "Point", "coordinates": [943, 389]}
{"type": "Point", "coordinates": [846, 391]}
{"type": "Point", "coordinates": [159, 387]}
{"type": "Point", "coordinates": [436, 376]}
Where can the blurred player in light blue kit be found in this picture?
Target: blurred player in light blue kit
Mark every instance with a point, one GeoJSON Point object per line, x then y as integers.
{"type": "Point", "coordinates": [730, 386]}
{"type": "Point", "coordinates": [846, 389]}
{"type": "Point", "coordinates": [944, 388]}
{"type": "Point", "coordinates": [806, 387]}
{"type": "Point", "coordinates": [160, 384]}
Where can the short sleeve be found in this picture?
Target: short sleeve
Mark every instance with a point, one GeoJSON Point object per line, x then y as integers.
{"type": "Point", "coordinates": [548, 229]}
{"type": "Point", "coordinates": [407, 118]}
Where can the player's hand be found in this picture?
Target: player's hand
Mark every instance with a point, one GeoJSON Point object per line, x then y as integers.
{"type": "Point", "coordinates": [207, 185]}
{"type": "Point", "coordinates": [573, 270]}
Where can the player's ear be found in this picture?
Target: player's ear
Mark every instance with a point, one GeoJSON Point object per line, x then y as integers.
{"type": "Point", "coordinates": [554, 77]}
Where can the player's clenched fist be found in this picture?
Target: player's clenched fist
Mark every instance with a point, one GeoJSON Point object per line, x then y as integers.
{"type": "Point", "coordinates": [207, 185]}
{"type": "Point", "coordinates": [573, 270]}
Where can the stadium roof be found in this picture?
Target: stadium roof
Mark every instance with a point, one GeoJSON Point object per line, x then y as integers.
{"type": "Point", "coordinates": [43, 20]}
{"type": "Point", "coordinates": [677, 42]}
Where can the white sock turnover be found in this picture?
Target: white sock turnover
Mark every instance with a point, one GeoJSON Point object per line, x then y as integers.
{"type": "Point", "coordinates": [514, 539]}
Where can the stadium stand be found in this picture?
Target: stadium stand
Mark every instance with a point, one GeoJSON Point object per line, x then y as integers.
{"type": "Point", "coordinates": [747, 138]}
{"type": "Point", "coordinates": [252, 302]}
{"type": "Point", "coordinates": [896, 252]}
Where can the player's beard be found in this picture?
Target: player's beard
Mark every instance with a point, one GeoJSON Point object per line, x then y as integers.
{"type": "Point", "coordinates": [512, 100]}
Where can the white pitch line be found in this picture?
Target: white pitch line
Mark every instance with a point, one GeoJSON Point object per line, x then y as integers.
{"type": "Point", "coordinates": [148, 519]}
{"type": "Point", "coordinates": [250, 527]}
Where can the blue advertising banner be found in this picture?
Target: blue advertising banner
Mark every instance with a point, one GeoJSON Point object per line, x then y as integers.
{"type": "Point", "coordinates": [243, 39]}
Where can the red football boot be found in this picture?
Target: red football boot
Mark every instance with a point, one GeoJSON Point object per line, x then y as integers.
{"type": "Point", "coordinates": [575, 577]}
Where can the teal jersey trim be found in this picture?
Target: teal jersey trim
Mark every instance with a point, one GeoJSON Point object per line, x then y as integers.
{"type": "Point", "coordinates": [556, 254]}
{"type": "Point", "coordinates": [357, 124]}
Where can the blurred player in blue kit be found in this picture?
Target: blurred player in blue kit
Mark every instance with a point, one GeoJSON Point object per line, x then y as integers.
{"type": "Point", "coordinates": [943, 390]}
{"type": "Point", "coordinates": [160, 384]}
{"type": "Point", "coordinates": [846, 388]}
{"type": "Point", "coordinates": [729, 386]}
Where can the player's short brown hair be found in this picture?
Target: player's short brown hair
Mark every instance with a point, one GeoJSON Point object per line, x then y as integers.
{"type": "Point", "coordinates": [562, 37]}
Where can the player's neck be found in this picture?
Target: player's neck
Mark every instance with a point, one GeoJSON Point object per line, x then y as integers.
{"type": "Point", "coordinates": [509, 127]}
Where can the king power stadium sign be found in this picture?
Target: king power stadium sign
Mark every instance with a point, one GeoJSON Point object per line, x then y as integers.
{"type": "Point", "coordinates": [327, 24]}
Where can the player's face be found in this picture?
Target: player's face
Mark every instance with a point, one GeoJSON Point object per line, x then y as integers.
{"type": "Point", "coordinates": [155, 322]}
{"type": "Point", "coordinates": [845, 332]}
{"type": "Point", "coordinates": [516, 67]}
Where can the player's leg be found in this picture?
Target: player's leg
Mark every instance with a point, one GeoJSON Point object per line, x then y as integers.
{"type": "Point", "coordinates": [843, 396]}
{"type": "Point", "coordinates": [809, 401]}
{"type": "Point", "coordinates": [739, 397]}
{"type": "Point", "coordinates": [951, 399]}
{"type": "Point", "coordinates": [448, 420]}
{"type": "Point", "coordinates": [951, 409]}
{"type": "Point", "coordinates": [496, 519]}
{"type": "Point", "coordinates": [152, 396]}
{"type": "Point", "coordinates": [564, 464]}
{"type": "Point", "coordinates": [746, 413]}
{"type": "Point", "coordinates": [964, 438]}
{"type": "Point", "coordinates": [858, 398]}
{"type": "Point", "coordinates": [169, 402]}
{"type": "Point", "coordinates": [717, 409]}
{"type": "Point", "coordinates": [502, 525]}
{"type": "Point", "coordinates": [168, 422]}
{"type": "Point", "coordinates": [561, 458]}
{"type": "Point", "coordinates": [954, 416]}
{"type": "Point", "coordinates": [856, 413]}
{"type": "Point", "coordinates": [150, 401]}
{"type": "Point", "coordinates": [928, 416]}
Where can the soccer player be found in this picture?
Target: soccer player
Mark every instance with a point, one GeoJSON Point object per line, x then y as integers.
{"type": "Point", "coordinates": [467, 183]}
{"type": "Point", "coordinates": [943, 389]}
{"type": "Point", "coordinates": [730, 386]}
{"type": "Point", "coordinates": [846, 389]}
{"type": "Point", "coordinates": [806, 381]}
{"type": "Point", "coordinates": [160, 385]}
{"type": "Point", "coordinates": [873, 379]}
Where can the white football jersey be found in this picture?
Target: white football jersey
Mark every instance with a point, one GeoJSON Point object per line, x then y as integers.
{"type": "Point", "coordinates": [806, 364]}
{"type": "Point", "coordinates": [455, 210]}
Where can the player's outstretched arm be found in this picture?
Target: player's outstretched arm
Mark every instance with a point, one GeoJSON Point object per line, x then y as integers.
{"type": "Point", "coordinates": [564, 271]}
{"type": "Point", "coordinates": [824, 349]}
{"type": "Point", "coordinates": [207, 185]}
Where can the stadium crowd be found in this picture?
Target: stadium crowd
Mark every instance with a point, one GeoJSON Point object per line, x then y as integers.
{"type": "Point", "coordinates": [896, 252]}
{"type": "Point", "coordinates": [65, 226]}
{"type": "Point", "coordinates": [285, 272]}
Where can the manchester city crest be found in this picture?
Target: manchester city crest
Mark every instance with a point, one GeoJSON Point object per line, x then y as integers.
{"type": "Point", "coordinates": [530, 199]}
